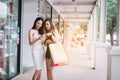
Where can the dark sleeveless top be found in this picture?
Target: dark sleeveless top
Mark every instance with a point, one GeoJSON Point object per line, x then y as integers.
{"type": "Point", "coordinates": [48, 54]}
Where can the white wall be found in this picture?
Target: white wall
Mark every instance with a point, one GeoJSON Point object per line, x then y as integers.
{"type": "Point", "coordinates": [101, 60]}
{"type": "Point", "coordinates": [29, 13]}
{"type": "Point", "coordinates": [115, 68]}
{"type": "Point", "coordinates": [115, 63]}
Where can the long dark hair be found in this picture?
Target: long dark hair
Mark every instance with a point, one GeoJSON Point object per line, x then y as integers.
{"type": "Point", "coordinates": [52, 28]}
{"type": "Point", "coordinates": [41, 30]}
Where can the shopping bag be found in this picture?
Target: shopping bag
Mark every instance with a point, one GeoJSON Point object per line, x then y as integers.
{"type": "Point", "coordinates": [52, 63]}
{"type": "Point", "coordinates": [58, 54]}
{"type": "Point", "coordinates": [59, 64]}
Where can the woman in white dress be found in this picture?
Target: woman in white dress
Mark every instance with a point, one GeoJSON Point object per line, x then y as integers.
{"type": "Point", "coordinates": [38, 52]}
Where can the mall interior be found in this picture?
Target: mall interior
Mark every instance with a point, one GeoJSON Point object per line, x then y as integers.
{"type": "Point", "coordinates": [89, 32]}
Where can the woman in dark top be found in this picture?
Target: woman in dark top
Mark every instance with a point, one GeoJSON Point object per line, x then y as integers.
{"type": "Point", "coordinates": [51, 37]}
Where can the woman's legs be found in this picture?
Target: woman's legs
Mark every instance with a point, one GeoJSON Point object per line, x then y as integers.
{"type": "Point", "coordinates": [37, 75]}
{"type": "Point", "coordinates": [49, 70]}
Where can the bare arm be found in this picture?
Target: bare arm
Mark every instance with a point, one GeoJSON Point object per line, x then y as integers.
{"type": "Point", "coordinates": [30, 35]}
{"type": "Point", "coordinates": [55, 36]}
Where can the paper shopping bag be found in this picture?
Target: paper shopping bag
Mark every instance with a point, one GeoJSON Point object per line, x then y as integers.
{"type": "Point", "coordinates": [59, 64]}
{"type": "Point", "coordinates": [58, 53]}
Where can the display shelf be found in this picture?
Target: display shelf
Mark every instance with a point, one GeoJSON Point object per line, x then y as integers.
{"type": "Point", "coordinates": [1, 46]}
{"type": "Point", "coordinates": [7, 55]}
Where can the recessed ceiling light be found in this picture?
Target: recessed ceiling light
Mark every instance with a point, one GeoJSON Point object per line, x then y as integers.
{"type": "Point", "coordinates": [73, 0]}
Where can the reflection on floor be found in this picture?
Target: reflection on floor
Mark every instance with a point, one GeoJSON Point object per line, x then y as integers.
{"type": "Point", "coordinates": [79, 68]}
{"type": "Point", "coordinates": [25, 69]}
{"type": "Point", "coordinates": [2, 72]}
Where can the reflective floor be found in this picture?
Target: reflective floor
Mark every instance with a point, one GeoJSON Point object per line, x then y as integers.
{"type": "Point", "coordinates": [79, 68]}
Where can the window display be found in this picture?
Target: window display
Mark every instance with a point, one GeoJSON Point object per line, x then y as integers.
{"type": "Point", "coordinates": [9, 36]}
{"type": "Point", "coordinates": [3, 15]}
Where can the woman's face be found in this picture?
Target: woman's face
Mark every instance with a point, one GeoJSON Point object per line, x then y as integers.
{"type": "Point", "coordinates": [38, 24]}
{"type": "Point", "coordinates": [47, 25]}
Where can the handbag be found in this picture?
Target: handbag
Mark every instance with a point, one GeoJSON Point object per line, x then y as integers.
{"type": "Point", "coordinates": [58, 54]}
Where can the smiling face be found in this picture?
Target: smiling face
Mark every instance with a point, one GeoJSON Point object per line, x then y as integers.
{"type": "Point", "coordinates": [38, 24]}
{"type": "Point", "coordinates": [47, 25]}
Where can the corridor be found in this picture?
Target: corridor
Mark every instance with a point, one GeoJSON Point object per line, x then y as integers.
{"type": "Point", "coordinates": [94, 24]}
{"type": "Point", "coordinates": [79, 68]}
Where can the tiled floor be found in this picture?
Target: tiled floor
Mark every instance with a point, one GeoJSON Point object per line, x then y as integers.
{"type": "Point", "coordinates": [79, 68]}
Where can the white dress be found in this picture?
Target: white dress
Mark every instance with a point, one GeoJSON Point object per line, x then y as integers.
{"type": "Point", "coordinates": [38, 53]}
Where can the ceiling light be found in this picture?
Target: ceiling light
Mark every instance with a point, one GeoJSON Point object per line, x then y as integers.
{"type": "Point", "coordinates": [73, 0]}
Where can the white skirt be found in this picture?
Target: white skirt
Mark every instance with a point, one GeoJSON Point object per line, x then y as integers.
{"type": "Point", "coordinates": [38, 58]}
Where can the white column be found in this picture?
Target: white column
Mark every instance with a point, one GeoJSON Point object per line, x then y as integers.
{"type": "Point", "coordinates": [91, 28]}
{"type": "Point", "coordinates": [66, 35]}
{"type": "Point", "coordinates": [88, 33]}
{"type": "Point", "coordinates": [70, 35]}
{"type": "Point", "coordinates": [94, 34]}
{"type": "Point", "coordinates": [95, 23]}
{"type": "Point", "coordinates": [102, 21]}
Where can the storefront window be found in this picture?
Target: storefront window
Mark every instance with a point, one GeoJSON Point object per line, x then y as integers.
{"type": "Point", "coordinates": [58, 22]}
{"type": "Point", "coordinates": [9, 38]}
{"type": "Point", "coordinates": [44, 9]}
{"type": "Point", "coordinates": [98, 20]}
{"type": "Point", "coordinates": [55, 18]}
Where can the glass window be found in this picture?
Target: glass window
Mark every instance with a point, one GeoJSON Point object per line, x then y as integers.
{"type": "Point", "coordinates": [55, 17]}
{"type": "Point", "coordinates": [9, 38]}
{"type": "Point", "coordinates": [44, 9]}
{"type": "Point", "coordinates": [58, 22]}
{"type": "Point", "coordinates": [112, 12]}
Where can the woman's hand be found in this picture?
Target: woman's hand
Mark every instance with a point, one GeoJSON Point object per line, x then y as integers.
{"type": "Point", "coordinates": [47, 42]}
{"type": "Point", "coordinates": [48, 34]}
{"type": "Point", "coordinates": [40, 38]}
{"type": "Point", "coordinates": [44, 36]}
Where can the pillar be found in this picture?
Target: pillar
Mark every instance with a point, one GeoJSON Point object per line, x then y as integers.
{"type": "Point", "coordinates": [95, 23]}
{"type": "Point", "coordinates": [102, 21]}
{"type": "Point", "coordinates": [92, 27]}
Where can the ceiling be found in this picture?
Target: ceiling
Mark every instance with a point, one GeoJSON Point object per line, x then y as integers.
{"type": "Point", "coordinates": [74, 11]}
